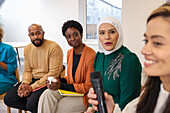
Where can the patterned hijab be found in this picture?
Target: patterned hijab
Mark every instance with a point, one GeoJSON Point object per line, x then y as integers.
{"type": "Point", "coordinates": [116, 23]}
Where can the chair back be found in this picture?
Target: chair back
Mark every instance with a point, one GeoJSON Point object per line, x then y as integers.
{"type": "Point", "coordinates": [17, 75]}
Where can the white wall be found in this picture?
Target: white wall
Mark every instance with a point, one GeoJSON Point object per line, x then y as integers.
{"type": "Point", "coordinates": [17, 15]}
{"type": "Point", "coordinates": [134, 17]}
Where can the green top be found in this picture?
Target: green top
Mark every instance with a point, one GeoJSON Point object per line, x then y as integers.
{"type": "Point", "coordinates": [121, 72]}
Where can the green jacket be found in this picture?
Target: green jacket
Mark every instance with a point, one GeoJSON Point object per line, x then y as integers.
{"type": "Point", "coordinates": [121, 72]}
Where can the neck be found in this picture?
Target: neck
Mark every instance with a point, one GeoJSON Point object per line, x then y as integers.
{"type": "Point", "coordinates": [79, 49]}
{"type": "Point", "coordinates": [166, 82]}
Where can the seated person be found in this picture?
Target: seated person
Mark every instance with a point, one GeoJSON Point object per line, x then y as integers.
{"type": "Point", "coordinates": [79, 66]}
{"type": "Point", "coordinates": [42, 59]}
{"type": "Point", "coordinates": [8, 65]}
{"type": "Point", "coordinates": [119, 67]}
{"type": "Point", "coordinates": [155, 97]}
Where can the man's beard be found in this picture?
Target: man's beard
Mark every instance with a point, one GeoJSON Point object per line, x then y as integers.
{"type": "Point", "coordinates": [37, 45]}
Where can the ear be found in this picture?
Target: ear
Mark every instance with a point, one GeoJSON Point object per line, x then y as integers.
{"type": "Point", "coordinates": [81, 35]}
{"type": "Point", "coordinates": [43, 33]}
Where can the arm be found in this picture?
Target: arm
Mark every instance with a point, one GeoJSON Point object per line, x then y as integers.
{"type": "Point", "coordinates": [130, 79]}
{"type": "Point", "coordinates": [11, 62]}
{"type": "Point", "coordinates": [24, 89]}
{"type": "Point", "coordinates": [27, 75]}
{"type": "Point", "coordinates": [55, 66]}
{"type": "Point", "coordinates": [3, 65]}
{"type": "Point", "coordinates": [85, 86]}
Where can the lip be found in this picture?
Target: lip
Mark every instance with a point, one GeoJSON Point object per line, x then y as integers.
{"type": "Point", "coordinates": [37, 41]}
{"type": "Point", "coordinates": [107, 43]}
{"type": "Point", "coordinates": [149, 62]}
{"type": "Point", "coordinates": [73, 42]}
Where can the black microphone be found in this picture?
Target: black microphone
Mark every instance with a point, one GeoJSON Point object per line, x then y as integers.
{"type": "Point", "coordinates": [96, 80]}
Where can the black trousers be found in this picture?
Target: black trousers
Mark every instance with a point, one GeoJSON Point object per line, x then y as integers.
{"type": "Point", "coordinates": [29, 103]}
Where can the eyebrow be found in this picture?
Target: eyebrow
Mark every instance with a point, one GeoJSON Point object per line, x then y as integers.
{"type": "Point", "coordinates": [154, 36]}
{"type": "Point", "coordinates": [109, 29]}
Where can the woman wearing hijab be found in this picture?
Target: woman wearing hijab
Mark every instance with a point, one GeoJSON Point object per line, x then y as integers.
{"type": "Point", "coordinates": [8, 65]}
{"type": "Point", "coordinates": [119, 67]}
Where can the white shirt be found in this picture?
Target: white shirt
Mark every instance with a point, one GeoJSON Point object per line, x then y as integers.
{"type": "Point", "coordinates": [160, 106]}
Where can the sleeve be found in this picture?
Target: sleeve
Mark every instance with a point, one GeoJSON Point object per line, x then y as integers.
{"type": "Point", "coordinates": [85, 86]}
{"type": "Point", "coordinates": [11, 60]}
{"type": "Point", "coordinates": [27, 75]}
{"type": "Point", "coordinates": [66, 86]}
{"type": "Point", "coordinates": [55, 66]}
{"type": "Point", "coordinates": [130, 107]}
{"type": "Point", "coordinates": [130, 79]}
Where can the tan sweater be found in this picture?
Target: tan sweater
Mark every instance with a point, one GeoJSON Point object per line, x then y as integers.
{"type": "Point", "coordinates": [41, 62]}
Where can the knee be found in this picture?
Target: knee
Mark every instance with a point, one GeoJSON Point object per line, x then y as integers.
{"type": "Point", "coordinates": [45, 94]}
{"type": "Point", "coordinates": [7, 99]}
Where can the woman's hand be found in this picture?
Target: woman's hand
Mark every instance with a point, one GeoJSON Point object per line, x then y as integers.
{"type": "Point", "coordinates": [90, 110]}
{"type": "Point", "coordinates": [54, 85]}
{"type": "Point", "coordinates": [92, 100]}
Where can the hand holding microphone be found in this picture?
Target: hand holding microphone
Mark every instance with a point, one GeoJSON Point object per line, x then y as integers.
{"type": "Point", "coordinates": [96, 80]}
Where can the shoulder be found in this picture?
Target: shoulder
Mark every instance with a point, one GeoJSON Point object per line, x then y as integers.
{"type": "Point", "coordinates": [128, 55]}
{"type": "Point", "coordinates": [89, 51]}
{"type": "Point", "coordinates": [131, 106]}
{"type": "Point", "coordinates": [52, 46]}
{"type": "Point", "coordinates": [51, 43]}
{"type": "Point", "coordinates": [29, 46]}
{"type": "Point", "coordinates": [69, 52]}
{"type": "Point", "coordinates": [7, 46]}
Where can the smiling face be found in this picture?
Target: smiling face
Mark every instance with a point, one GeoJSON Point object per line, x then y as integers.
{"type": "Point", "coordinates": [157, 47]}
{"type": "Point", "coordinates": [73, 36]}
{"type": "Point", "coordinates": [108, 36]}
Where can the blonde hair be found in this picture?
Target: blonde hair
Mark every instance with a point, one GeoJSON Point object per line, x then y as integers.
{"type": "Point", "coordinates": [162, 11]}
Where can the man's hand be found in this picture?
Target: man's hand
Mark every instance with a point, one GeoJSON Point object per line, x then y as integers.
{"type": "Point", "coordinates": [24, 90]}
{"type": "Point", "coordinates": [28, 90]}
{"type": "Point", "coordinates": [21, 90]}
{"type": "Point", "coordinates": [54, 85]}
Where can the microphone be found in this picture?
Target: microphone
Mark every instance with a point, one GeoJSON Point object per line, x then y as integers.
{"type": "Point", "coordinates": [96, 80]}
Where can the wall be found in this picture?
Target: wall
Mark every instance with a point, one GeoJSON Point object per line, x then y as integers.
{"type": "Point", "coordinates": [134, 16]}
{"type": "Point", "coordinates": [17, 15]}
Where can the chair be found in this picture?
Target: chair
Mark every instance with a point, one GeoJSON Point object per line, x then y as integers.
{"type": "Point", "coordinates": [2, 95]}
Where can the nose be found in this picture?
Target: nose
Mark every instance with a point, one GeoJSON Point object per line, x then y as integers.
{"type": "Point", "coordinates": [107, 36]}
{"type": "Point", "coordinates": [72, 37]}
{"type": "Point", "coordinates": [146, 50]}
{"type": "Point", "coordinates": [35, 36]}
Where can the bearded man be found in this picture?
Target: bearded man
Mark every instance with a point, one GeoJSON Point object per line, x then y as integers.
{"type": "Point", "coordinates": [43, 58]}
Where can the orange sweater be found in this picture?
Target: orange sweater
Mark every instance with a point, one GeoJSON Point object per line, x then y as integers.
{"type": "Point", "coordinates": [82, 76]}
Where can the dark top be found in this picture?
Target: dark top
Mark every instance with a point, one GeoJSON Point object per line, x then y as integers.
{"type": "Point", "coordinates": [64, 85]}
